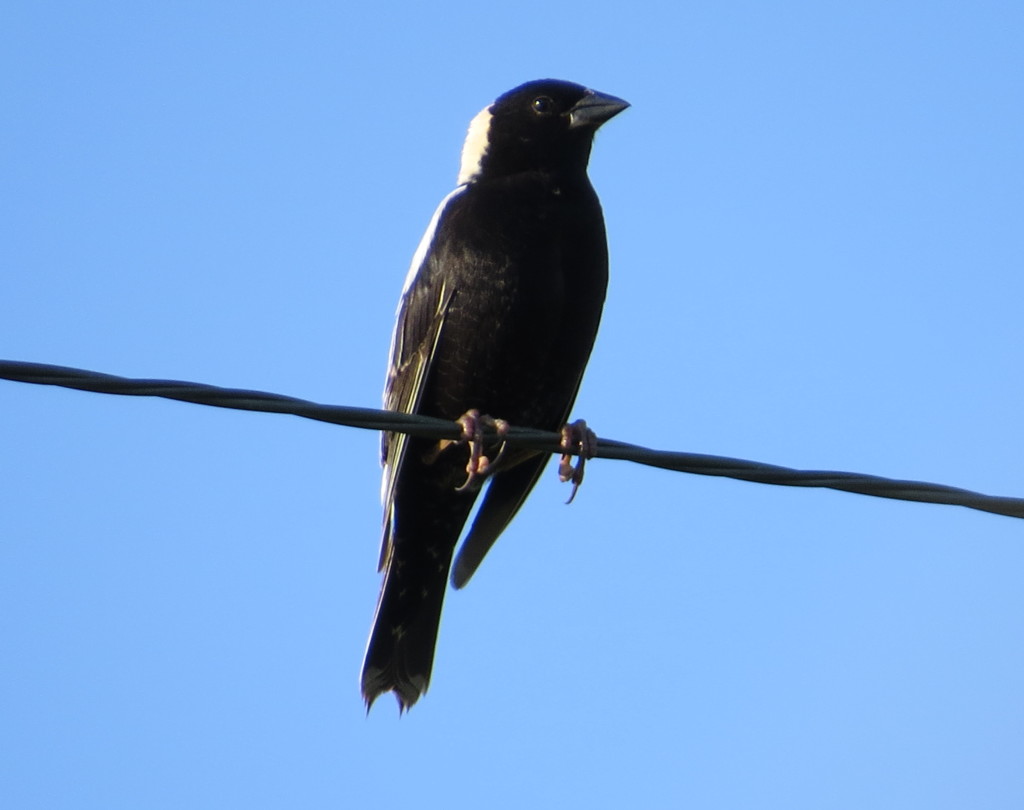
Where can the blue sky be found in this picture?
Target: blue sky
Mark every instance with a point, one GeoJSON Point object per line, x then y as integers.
{"type": "Point", "coordinates": [815, 221]}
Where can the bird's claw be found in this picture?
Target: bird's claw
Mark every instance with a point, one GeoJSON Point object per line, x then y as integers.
{"type": "Point", "coordinates": [479, 466]}
{"type": "Point", "coordinates": [576, 436]}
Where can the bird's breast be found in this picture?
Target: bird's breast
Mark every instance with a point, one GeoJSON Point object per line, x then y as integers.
{"type": "Point", "coordinates": [529, 273]}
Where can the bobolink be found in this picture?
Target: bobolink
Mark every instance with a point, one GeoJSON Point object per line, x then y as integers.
{"type": "Point", "coordinates": [498, 316]}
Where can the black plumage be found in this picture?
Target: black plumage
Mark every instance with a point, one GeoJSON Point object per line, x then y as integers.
{"type": "Point", "coordinates": [499, 314]}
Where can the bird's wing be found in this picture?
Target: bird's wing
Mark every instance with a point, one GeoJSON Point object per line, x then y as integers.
{"type": "Point", "coordinates": [421, 319]}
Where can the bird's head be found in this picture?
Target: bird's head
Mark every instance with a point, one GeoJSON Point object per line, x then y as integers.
{"type": "Point", "coordinates": [543, 124]}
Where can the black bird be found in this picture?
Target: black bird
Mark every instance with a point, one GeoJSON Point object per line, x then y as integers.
{"type": "Point", "coordinates": [498, 316]}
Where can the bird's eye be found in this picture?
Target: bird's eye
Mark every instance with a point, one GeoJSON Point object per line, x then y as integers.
{"type": "Point", "coordinates": [543, 105]}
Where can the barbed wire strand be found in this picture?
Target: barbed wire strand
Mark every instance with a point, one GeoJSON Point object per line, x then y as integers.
{"type": "Point", "coordinates": [432, 428]}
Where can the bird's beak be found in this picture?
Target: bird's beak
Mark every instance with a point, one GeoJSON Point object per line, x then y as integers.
{"type": "Point", "coordinates": [594, 109]}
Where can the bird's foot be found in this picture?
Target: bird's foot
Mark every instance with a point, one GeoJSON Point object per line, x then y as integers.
{"type": "Point", "coordinates": [576, 436]}
{"type": "Point", "coordinates": [473, 426]}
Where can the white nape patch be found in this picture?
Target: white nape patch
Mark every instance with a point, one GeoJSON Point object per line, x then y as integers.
{"type": "Point", "coordinates": [475, 147]}
{"type": "Point", "coordinates": [426, 241]}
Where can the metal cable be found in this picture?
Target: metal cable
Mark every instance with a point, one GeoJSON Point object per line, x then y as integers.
{"type": "Point", "coordinates": [432, 428]}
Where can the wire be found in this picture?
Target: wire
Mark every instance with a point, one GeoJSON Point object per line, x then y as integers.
{"type": "Point", "coordinates": [432, 428]}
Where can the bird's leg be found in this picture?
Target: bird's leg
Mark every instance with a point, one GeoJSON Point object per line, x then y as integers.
{"type": "Point", "coordinates": [576, 436]}
{"type": "Point", "coordinates": [479, 465]}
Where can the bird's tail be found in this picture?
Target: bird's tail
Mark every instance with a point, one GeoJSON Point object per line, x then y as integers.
{"type": "Point", "coordinates": [400, 652]}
